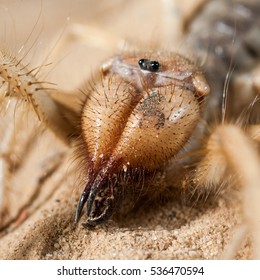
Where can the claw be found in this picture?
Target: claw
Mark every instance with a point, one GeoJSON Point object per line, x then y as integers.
{"type": "Point", "coordinates": [90, 201]}
{"type": "Point", "coordinates": [101, 199]}
{"type": "Point", "coordinates": [82, 201]}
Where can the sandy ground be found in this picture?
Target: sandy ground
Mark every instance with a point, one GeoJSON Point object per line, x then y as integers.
{"type": "Point", "coordinates": [38, 216]}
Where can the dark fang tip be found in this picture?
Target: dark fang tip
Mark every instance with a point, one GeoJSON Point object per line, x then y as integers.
{"type": "Point", "coordinates": [90, 201]}
{"type": "Point", "coordinates": [82, 201]}
{"type": "Point", "coordinates": [100, 196]}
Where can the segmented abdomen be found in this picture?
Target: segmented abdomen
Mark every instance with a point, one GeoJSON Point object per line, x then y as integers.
{"type": "Point", "coordinates": [225, 35]}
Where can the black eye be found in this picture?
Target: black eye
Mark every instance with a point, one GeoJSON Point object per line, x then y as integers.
{"type": "Point", "coordinates": [143, 63]}
{"type": "Point", "coordinates": [153, 66]}
{"type": "Point", "coordinates": [146, 64]}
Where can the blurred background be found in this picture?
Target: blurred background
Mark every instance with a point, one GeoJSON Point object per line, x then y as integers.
{"type": "Point", "coordinates": [75, 36]}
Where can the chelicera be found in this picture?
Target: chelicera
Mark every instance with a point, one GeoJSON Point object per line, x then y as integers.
{"type": "Point", "coordinates": [134, 122]}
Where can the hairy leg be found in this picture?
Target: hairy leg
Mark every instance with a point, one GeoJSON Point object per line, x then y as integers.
{"type": "Point", "coordinates": [230, 150]}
